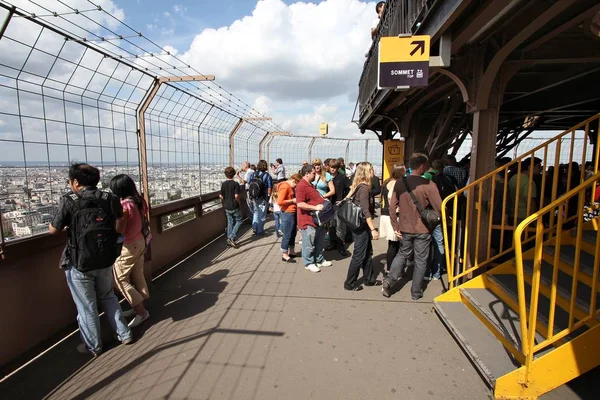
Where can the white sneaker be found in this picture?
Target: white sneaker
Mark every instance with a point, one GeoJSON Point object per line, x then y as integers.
{"type": "Point", "coordinates": [312, 268]}
{"type": "Point", "coordinates": [129, 313]}
{"type": "Point", "coordinates": [137, 321]}
{"type": "Point", "coordinates": [325, 263]}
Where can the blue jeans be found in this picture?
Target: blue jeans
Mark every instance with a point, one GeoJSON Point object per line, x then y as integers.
{"type": "Point", "coordinates": [312, 245]}
{"type": "Point", "coordinates": [87, 289]}
{"type": "Point", "coordinates": [289, 227]}
{"type": "Point", "coordinates": [259, 216]}
{"type": "Point", "coordinates": [277, 218]}
{"type": "Point", "coordinates": [234, 221]}
{"type": "Point", "coordinates": [439, 260]}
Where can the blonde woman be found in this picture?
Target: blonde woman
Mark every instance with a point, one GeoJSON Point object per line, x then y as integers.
{"type": "Point", "coordinates": [322, 182]}
{"type": "Point", "coordinates": [363, 248]}
{"type": "Point", "coordinates": [385, 224]}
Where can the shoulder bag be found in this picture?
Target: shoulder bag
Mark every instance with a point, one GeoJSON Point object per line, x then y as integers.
{"type": "Point", "coordinates": [429, 216]}
{"type": "Point", "coordinates": [350, 213]}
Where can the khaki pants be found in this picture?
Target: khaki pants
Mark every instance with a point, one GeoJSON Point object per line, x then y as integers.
{"type": "Point", "coordinates": [129, 272]}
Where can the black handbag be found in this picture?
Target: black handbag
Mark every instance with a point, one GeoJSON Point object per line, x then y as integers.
{"type": "Point", "coordinates": [429, 216]}
{"type": "Point", "coordinates": [350, 213]}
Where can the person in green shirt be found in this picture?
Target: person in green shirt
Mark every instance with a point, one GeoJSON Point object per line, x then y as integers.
{"type": "Point", "coordinates": [436, 167]}
{"type": "Point", "coordinates": [342, 169]}
{"type": "Point", "coordinates": [519, 202]}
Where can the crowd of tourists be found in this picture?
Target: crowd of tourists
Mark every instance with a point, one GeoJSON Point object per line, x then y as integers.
{"type": "Point", "coordinates": [108, 232]}
{"type": "Point", "coordinates": [319, 201]}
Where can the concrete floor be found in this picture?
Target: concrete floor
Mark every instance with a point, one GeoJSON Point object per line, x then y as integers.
{"type": "Point", "coordinates": [241, 324]}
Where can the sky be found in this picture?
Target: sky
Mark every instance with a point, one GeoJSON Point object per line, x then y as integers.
{"type": "Point", "coordinates": [298, 62]}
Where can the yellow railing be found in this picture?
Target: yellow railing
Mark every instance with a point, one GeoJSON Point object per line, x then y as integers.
{"type": "Point", "coordinates": [479, 220]}
{"type": "Point", "coordinates": [528, 313]}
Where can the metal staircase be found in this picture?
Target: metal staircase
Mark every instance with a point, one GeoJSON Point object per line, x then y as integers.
{"type": "Point", "coordinates": [529, 321]}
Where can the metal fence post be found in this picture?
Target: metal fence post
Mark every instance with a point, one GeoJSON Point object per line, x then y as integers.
{"type": "Point", "coordinates": [312, 142]}
{"type": "Point", "coordinates": [142, 123]}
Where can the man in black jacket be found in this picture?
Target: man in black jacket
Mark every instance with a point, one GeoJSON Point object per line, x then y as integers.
{"type": "Point", "coordinates": [337, 231]}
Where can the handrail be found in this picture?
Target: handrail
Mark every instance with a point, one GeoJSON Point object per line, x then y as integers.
{"type": "Point", "coordinates": [20, 247]}
{"type": "Point", "coordinates": [178, 205]}
{"type": "Point", "coordinates": [528, 322]}
{"type": "Point", "coordinates": [468, 235]}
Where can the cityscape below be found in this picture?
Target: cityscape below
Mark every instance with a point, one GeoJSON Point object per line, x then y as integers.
{"type": "Point", "coordinates": [29, 195]}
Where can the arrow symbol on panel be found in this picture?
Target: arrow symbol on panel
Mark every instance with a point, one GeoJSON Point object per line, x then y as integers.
{"type": "Point", "coordinates": [419, 44]}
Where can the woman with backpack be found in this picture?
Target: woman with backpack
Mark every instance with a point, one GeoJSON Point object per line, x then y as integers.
{"type": "Point", "coordinates": [360, 192]}
{"type": "Point", "coordinates": [385, 224]}
{"type": "Point", "coordinates": [129, 266]}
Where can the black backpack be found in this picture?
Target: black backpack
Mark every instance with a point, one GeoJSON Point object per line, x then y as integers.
{"type": "Point", "coordinates": [92, 235]}
{"type": "Point", "coordinates": [444, 184]}
{"type": "Point", "coordinates": [256, 188]}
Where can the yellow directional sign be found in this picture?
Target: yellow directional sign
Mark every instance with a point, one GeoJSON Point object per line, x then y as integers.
{"type": "Point", "coordinates": [404, 61]}
{"type": "Point", "coordinates": [393, 153]}
{"type": "Point", "coordinates": [323, 129]}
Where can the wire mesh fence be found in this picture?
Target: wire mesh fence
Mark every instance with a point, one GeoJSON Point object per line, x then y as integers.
{"type": "Point", "coordinates": [80, 85]}
{"type": "Point", "coordinates": [294, 150]}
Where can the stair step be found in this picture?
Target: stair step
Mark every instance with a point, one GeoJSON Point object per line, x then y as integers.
{"type": "Point", "coordinates": [508, 282]}
{"type": "Point", "coordinates": [564, 284]}
{"type": "Point", "coordinates": [498, 313]}
{"type": "Point", "coordinates": [589, 235]}
{"type": "Point", "coordinates": [567, 255]}
{"type": "Point", "coordinates": [485, 351]}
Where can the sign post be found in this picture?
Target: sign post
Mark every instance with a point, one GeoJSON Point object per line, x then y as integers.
{"type": "Point", "coordinates": [403, 61]}
{"type": "Point", "coordinates": [393, 153]}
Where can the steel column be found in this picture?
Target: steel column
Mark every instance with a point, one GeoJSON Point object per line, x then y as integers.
{"type": "Point", "coordinates": [142, 124]}
{"type": "Point", "coordinates": [231, 141]}
{"type": "Point", "coordinates": [269, 147]}
{"type": "Point", "coordinates": [4, 26]}
{"type": "Point", "coordinates": [347, 154]}
{"type": "Point", "coordinates": [312, 142]}
{"type": "Point", "coordinates": [261, 145]}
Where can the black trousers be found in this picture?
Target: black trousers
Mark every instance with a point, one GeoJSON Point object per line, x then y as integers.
{"type": "Point", "coordinates": [362, 257]}
{"type": "Point", "coordinates": [392, 250]}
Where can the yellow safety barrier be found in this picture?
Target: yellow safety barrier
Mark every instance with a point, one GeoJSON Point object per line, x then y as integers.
{"type": "Point", "coordinates": [544, 245]}
{"type": "Point", "coordinates": [480, 219]}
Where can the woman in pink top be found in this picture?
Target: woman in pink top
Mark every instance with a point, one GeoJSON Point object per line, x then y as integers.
{"type": "Point", "coordinates": [129, 267]}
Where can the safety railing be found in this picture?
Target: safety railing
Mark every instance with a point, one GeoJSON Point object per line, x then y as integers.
{"type": "Point", "coordinates": [479, 219]}
{"type": "Point", "coordinates": [528, 310]}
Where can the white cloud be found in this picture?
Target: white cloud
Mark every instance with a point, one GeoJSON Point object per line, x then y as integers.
{"type": "Point", "coordinates": [300, 63]}
{"type": "Point", "coordinates": [178, 8]}
{"type": "Point", "coordinates": [167, 32]}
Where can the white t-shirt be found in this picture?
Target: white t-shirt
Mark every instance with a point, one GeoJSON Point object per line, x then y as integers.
{"type": "Point", "coordinates": [375, 23]}
{"type": "Point", "coordinates": [248, 177]}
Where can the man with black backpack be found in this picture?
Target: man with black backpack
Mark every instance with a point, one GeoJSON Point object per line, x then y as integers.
{"type": "Point", "coordinates": [90, 216]}
{"type": "Point", "coordinates": [259, 191]}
